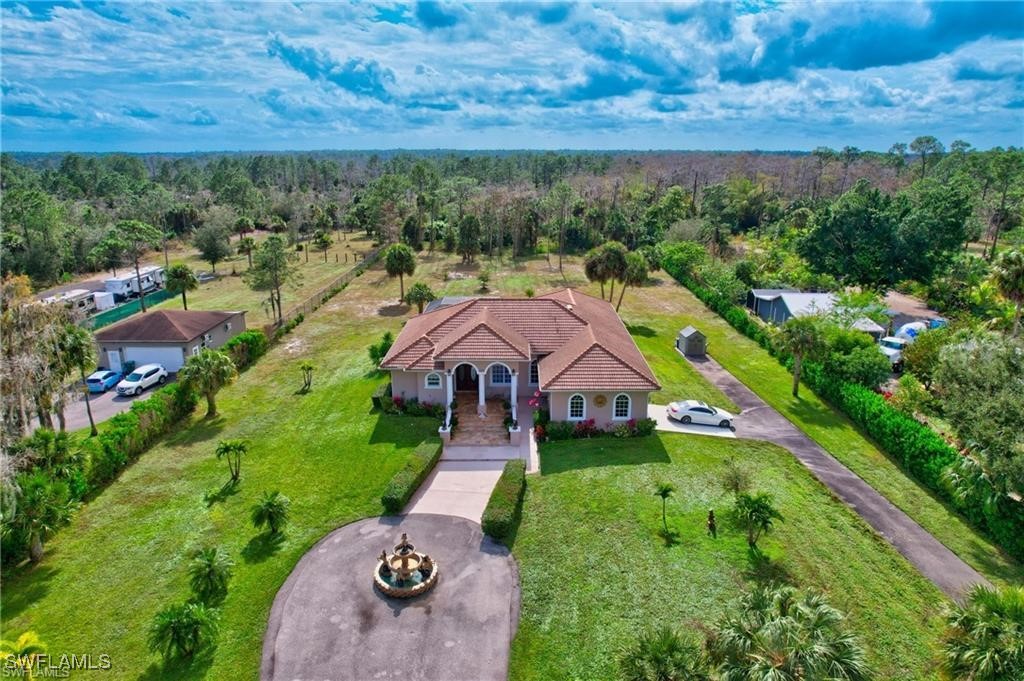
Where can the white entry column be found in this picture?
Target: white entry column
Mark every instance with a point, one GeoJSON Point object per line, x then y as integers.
{"type": "Point", "coordinates": [515, 396]}
{"type": "Point", "coordinates": [448, 402]}
{"type": "Point", "coordinates": [481, 407]}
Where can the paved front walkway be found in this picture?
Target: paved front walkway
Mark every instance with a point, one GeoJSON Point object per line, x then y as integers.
{"type": "Point", "coordinates": [329, 622]}
{"type": "Point", "coordinates": [457, 488]}
{"type": "Point", "coordinates": [760, 422]}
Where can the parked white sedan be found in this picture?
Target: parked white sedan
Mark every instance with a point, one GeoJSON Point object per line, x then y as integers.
{"type": "Point", "coordinates": [692, 411]}
{"type": "Point", "coordinates": [140, 379]}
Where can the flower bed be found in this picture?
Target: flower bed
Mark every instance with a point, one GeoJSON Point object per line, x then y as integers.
{"type": "Point", "coordinates": [545, 429]}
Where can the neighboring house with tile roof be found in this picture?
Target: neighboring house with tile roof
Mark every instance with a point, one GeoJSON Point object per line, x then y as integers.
{"type": "Point", "coordinates": [167, 337]}
{"type": "Point", "coordinates": [568, 345]}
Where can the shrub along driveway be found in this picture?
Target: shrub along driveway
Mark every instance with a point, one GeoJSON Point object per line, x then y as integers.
{"type": "Point", "coordinates": [761, 422]}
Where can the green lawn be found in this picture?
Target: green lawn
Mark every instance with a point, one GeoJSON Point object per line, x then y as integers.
{"type": "Point", "coordinates": [594, 570]}
{"type": "Point", "coordinates": [124, 556]}
{"type": "Point", "coordinates": [229, 292]}
{"type": "Point", "coordinates": [753, 366]}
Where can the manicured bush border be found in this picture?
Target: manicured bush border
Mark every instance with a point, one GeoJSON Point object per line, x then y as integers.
{"type": "Point", "coordinates": [501, 514]}
{"type": "Point", "coordinates": [915, 447]}
{"type": "Point", "coordinates": [406, 481]}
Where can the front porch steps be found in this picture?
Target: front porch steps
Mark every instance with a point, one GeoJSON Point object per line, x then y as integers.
{"type": "Point", "coordinates": [473, 430]}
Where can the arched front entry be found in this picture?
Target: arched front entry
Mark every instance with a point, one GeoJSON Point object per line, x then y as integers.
{"type": "Point", "coordinates": [465, 376]}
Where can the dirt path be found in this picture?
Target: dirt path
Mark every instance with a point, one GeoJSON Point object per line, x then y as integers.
{"type": "Point", "coordinates": [760, 422]}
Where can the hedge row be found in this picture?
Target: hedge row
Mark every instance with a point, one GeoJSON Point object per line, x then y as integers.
{"type": "Point", "coordinates": [406, 481]}
{"type": "Point", "coordinates": [247, 347]}
{"type": "Point", "coordinates": [503, 508]}
{"type": "Point", "coordinates": [130, 433]}
{"type": "Point", "coordinates": [917, 448]}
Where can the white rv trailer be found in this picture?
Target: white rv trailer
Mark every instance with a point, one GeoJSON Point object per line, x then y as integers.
{"type": "Point", "coordinates": [80, 299]}
{"type": "Point", "coordinates": [154, 271]}
{"type": "Point", "coordinates": [121, 286]}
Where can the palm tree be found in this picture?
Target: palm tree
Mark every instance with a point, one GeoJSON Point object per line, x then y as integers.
{"type": "Point", "coordinates": [76, 348]}
{"type": "Point", "coordinates": [1008, 275]}
{"type": "Point", "coordinates": [245, 246]}
{"type": "Point", "coordinates": [664, 490]}
{"type": "Point", "coordinates": [322, 240]}
{"type": "Point", "coordinates": [21, 653]}
{"type": "Point", "coordinates": [232, 450]}
{"type": "Point", "coordinates": [180, 279]}
{"type": "Point", "coordinates": [635, 274]}
{"type": "Point", "coordinates": [209, 573]}
{"type": "Point", "coordinates": [594, 267]}
{"type": "Point", "coordinates": [271, 512]}
{"type": "Point", "coordinates": [984, 638]}
{"type": "Point", "coordinates": [182, 630]}
{"type": "Point", "coordinates": [419, 295]}
{"type": "Point", "coordinates": [663, 655]}
{"type": "Point", "coordinates": [781, 636]}
{"type": "Point", "coordinates": [800, 337]}
{"type": "Point", "coordinates": [207, 373]}
{"type": "Point", "coordinates": [399, 260]}
{"type": "Point", "coordinates": [307, 375]}
{"type": "Point", "coordinates": [757, 513]}
{"type": "Point", "coordinates": [43, 505]}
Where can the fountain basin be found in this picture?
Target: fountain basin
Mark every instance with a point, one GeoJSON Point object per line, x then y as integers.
{"type": "Point", "coordinates": [405, 573]}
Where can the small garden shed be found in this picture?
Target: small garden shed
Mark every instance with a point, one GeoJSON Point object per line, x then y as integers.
{"type": "Point", "coordinates": [692, 342]}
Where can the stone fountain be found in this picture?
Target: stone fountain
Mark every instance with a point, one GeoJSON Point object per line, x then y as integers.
{"type": "Point", "coordinates": [406, 572]}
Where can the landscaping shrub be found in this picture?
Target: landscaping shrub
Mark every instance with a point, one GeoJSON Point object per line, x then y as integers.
{"type": "Point", "coordinates": [559, 430]}
{"type": "Point", "coordinates": [246, 348]}
{"type": "Point", "coordinates": [917, 448]}
{"type": "Point", "coordinates": [407, 480]}
{"type": "Point", "coordinates": [503, 508]}
{"type": "Point", "coordinates": [289, 326]}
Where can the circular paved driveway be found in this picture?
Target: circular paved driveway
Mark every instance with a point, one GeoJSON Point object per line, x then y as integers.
{"type": "Point", "coordinates": [328, 622]}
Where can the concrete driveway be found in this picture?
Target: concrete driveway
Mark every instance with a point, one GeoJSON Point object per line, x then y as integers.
{"type": "Point", "coordinates": [667, 425]}
{"type": "Point", "coordinates": [329, 622]}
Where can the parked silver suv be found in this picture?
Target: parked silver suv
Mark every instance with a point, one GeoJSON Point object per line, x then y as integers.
{"type": "Point", "coordinates": [140, 379]}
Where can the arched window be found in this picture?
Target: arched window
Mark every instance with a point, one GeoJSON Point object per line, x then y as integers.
{"type": "Point", "coordinates": [622, 407]}
{"type": "Point", "coordinates": [433, 380]}
{"type": "Point", "coordinates": [500, 375]}
{"type": "Point", "coordinates": [577, 408]}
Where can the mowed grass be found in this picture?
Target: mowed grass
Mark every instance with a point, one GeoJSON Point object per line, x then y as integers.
{"type": "Point", "coordinates": [230, 292]}
{"type": "Point", "coordinates": [595, 571]}
{"type": "Point", "coordinates": [752, 365]}
{"type": "Point", "coordinates": [124, 557]}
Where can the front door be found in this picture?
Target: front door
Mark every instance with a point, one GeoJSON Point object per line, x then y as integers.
{"type": "Point", "coordinates": [464, 379]}
{"type": "Point", "coordinates": [114, 360]}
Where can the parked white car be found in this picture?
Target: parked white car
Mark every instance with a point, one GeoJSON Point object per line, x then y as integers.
{"type": "Point", "coordinates": [692, 411]}
{"type": "Point", "coordinates": [142, 378]}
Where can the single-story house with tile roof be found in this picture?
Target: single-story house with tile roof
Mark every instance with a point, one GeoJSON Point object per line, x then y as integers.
{"type": "Point", "coordinates": [570, 346]}
{"type": "Point", "coordinates": [167, 337]}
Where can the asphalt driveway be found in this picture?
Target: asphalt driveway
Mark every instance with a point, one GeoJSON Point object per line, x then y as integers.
{"type": "Point", "coordinates": [104, 406]}
{"type": "Point", "coordinates": [329, 622]}
{"type": "Point", "coordinates": [759, 421]}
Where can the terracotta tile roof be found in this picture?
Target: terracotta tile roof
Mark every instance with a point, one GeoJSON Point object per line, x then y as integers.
{"type": "Point", "coordinates": [483, 337]}
{"type": "Point", "coordinates": [164, 326]}
{"type": "Point", "coordinates": [587, 345]}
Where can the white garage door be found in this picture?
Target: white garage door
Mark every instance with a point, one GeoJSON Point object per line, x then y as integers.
{"type": "Point", "coordinates": [170, 358]}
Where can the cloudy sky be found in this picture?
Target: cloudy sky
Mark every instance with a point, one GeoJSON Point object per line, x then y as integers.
{"type": "Point", "coordinates": [96, 76]}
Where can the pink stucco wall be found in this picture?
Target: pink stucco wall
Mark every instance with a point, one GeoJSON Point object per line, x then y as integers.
{"type": "Point", "coordinates": [559, 405]}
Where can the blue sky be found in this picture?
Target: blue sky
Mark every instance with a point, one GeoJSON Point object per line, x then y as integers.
{"type": "Point", "coordinates": [95, 76]}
